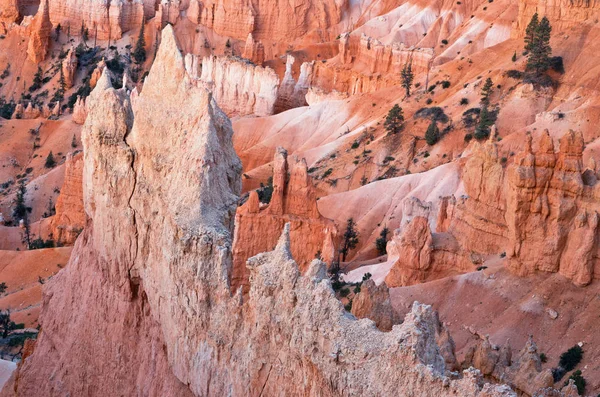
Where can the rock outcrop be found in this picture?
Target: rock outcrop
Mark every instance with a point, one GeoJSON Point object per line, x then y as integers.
{"type": "Point", "coordinates": [373, 302]}
{"type": "Point", "coordinates": [541, 210]}
{"type": "Point", "coordinates": [239, 87]}
{"type": "Point", "coordinates": [69, 220]}
{"type": "Point", "coordinates": [39, 35]}
{"type": "Point", "coordinates": [69, 67]}
{"type": "Point", "coordinates": [254, 51]}
{"type": "Point", "coordinates": [79, 111]}
{"type": "Point", "coordinates": [524, 371]}
{"type": "Point", "coordinates": [293, 201]}
{"type": "Point", "coordinates": [9, 11]}
{"type": "Point", "coordinates": [105, 19]}
{"type": "Point", "coordinates": [144, 305]}
{"type": "Point", "coordinates": [272, 19]}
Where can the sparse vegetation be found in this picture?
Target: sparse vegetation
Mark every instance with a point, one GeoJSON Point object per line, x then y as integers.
{"type": "Point", "coordinates": [381, 241]}
{"type": "Point", "coordinates": [432, 135]}
{"type": "Point", "coordinates": [537, 45]}
{"type": "Point", "coordinates": [350, 240]}
{"type": "Point", "coordinates": [570, 358]}
{"type": "Point", "coordinates": [434, 113]}
{"type": "Point", "coordinates": [50, 162]}
{"type": "Point", "coordinates": [265, 192]}
{"type": "Point", "coordinates": [407, 76]}
{"type": "Point", "coordinates": [464, 101]}
{"type": "Point", "coordinates": [394, 120]}
{"type": "Point", "coordinates": [579, 381]}
{"type": "Point", "coordinates": [139, 53]}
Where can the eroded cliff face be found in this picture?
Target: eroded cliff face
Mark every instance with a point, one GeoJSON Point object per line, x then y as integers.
{"type": "Point", "coordinates": [39, 36]}
{"type": "Point", "coordinates": [294, 201]}
{"type": "Point", "coordinates": [144, 306]}
{"type": "Point", "coordinates": [69, 219]}
{"type": "Point", "coordinates": [104, 19]}
{"type": "Point", "coordinates": [541, 210]}
{"type": "Point", "coordinates": [239, 87]}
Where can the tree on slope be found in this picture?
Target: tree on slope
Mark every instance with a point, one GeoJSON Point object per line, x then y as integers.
{"type": "Point", "coordinates": [538, 47]}
{"type": "Point", "coordinates": [350, 239]}
{"type": "Point", "coordinates": [394, 120]}
{"type": "Point", "coordinates": [139, 53]}
{"type": "Point", "coordinates": [407, 76]}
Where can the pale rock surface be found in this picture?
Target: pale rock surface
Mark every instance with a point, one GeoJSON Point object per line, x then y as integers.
{"type": "Point", "coordinates": [79, 111]}
{"type": "Point", "coordinates": [239, 87]}
{"type": "Point", "coordinates": [149, 273]}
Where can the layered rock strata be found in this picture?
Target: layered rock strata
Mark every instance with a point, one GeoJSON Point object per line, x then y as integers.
{"type": "Point", "coordinates": [69, 219]}
{"type": "Point", "coordinates": [39, 36]}
{"type": "Point", "coordinates": [145, 307]}
{"type": "Point", "coordinates": [294, 201]}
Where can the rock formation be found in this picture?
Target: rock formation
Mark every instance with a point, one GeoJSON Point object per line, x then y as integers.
{"type": "Point", "coordinates": [539, 210]}
{"type": "Point", "coordinates": [40, 31]}
{"type": "Point", "coordinates": [105, 19]}
{"type": "Point", "coordinates": [69, 219]}
{"type": "Point", "coordinates": [373, 302]}
{"type": "Point", "coordinates": [271, 19]}
{"type": "Point", "coordinates": [292, 93]}
{"type": "Point", "coordinates": [149, 272]}
{"type": "Point", "coordinates": [97, 73]}
{"type": "Point", "coordinates": [69, 67]}
{"type": "Point", "coordinates": [254, 51]}
{"type": "Point", "coordinates": [9, 11]}
{"type": "Point", "coordinates": [79, 111]}
{"type": "Point", "coordinates": [523, 371]}
{"type": "Point", "coordinates": [293, 201]}
{"type": "Point", "coordinates": [239, 87]}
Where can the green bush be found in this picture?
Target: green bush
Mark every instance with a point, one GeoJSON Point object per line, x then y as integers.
{"type": "Point", "coordinates": [579, 381]}
{"type": "Point", "coordinates": [570, 358]}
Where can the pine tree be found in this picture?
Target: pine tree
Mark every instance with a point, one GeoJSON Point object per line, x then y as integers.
{"type": "Point", "coordinates": [539, 48]}
{"type": "Point", "coordinates": [394, 120]}
{"type": "Point", "coordinates": [486, 92]}
{"type": "Point", "coordinates": [139, 54]}
{"type": "Point", "coordinates": [74, 142]}
{"type": "Point", "coordinates": [57, 30]}
{"type": "Point", "coordinates": [50, 162]}
{"type": "Point", "coordinates": [407, 76]}
{"type": "Point", "coordinates": [486, 120]}
{"type": "Point", "coordinates": [20, 210]}
{"type": "Point", "coordinates": [350, 239]}
{"type": "Point", "coordinates": [530, 31]}
{"type": "Point", "coordinates": [381, 242]}
{"type": "Point", "coordinates": [432, 135]}
{"type": "Point", "coordinates": [514, 57]}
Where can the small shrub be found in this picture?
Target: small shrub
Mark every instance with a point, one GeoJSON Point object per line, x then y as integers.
{"type": "Point", "coordinates": [366, 276]}
{"type": "Point", "coordinates": [579, 381]}
{"type": "Point", "coordinates": [445, 84]}
{"type": "Point", "coordinates": [355, 145]}
{"type": "Point", "coordinates": [50, 162]}
{"type": "Point", "coordinates": [514, 74]}
{"type": "Point", "coordinates": [429, 101]}
{"type": "Point", "coordinates": [570, 358]}
{"type": "Point", "coordinates": [344, 292]}
{"type": "Point", "coordinates": [543, 358]}
{"type": "Point", "coordinates": [432, 135]}
{"type": "Point", "coordinates": [468, 137]}
{"type": "Point", "coordinates": [434, 113]}
{"type": "Point", "coordinates": [556, 64]}
{"type": "Point", "coordinates": [444, 41]}
{"type": "Point", "coordinates": [327, 173]}
{"type": "Point", "coordinates": [464, 101]}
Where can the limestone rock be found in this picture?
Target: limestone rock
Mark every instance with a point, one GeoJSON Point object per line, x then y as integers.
{"type": "Point", "coordinates": [239, 87]}
{"type": "Point", "coordinates": [69, 67]}
{"type": "Point", "coordinates": [69, 220]}
{"type": "Point", "coordinates": [79, 111]}
{"type": "Point", "coordinates": [254, 51]}
{"type": "Point", "coordinates": [41, 28]}
{"type": "Point", "coordinates": [293, 201]}
{"type": "Point", "coordinates": [373, 302]}
{"type": "Point", "coordinates": [9, 11]}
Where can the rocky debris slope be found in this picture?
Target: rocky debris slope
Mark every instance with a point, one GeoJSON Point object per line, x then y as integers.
{"type": "Point", "coordinates": [69, 219]}
{"type": "Point", "coordinates": [144, 305]}
{"type": "Point", "coordinates": [293, 201]}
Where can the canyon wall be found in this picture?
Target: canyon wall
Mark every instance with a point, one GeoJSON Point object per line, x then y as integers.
{"type": "Point", "coordinates": [294, 201]}
{"type": "Point", "coordinates": [563, 14]}
{"type": "Point", "coordinates": [69, 219]}
{"type": "Point", "coordinates": [104, 19]}
{"type": "Point", "coordinates": [144, 306]}
{"type": "Point", "coordinates": [239, 87]}
{"type": "Point", "coordinates": [541, 211]}
{"type": "Point", "coordinates": [272, 19]}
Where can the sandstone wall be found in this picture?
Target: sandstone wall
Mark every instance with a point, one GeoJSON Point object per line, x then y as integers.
{"type": "Point", "coordinates": [239, 87]}
{"type": "Point", "coordinates": [69, 219]}
{"type": "Point", "coordinates": [144, 306]}
{"type": "Point", "coordinates": [294, 201]}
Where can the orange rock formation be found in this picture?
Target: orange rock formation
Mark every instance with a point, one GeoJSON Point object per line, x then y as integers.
{"type": "Point", "coordinates": [69, 219]}
{"type": "Point", "coordinates": [294, 201]}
